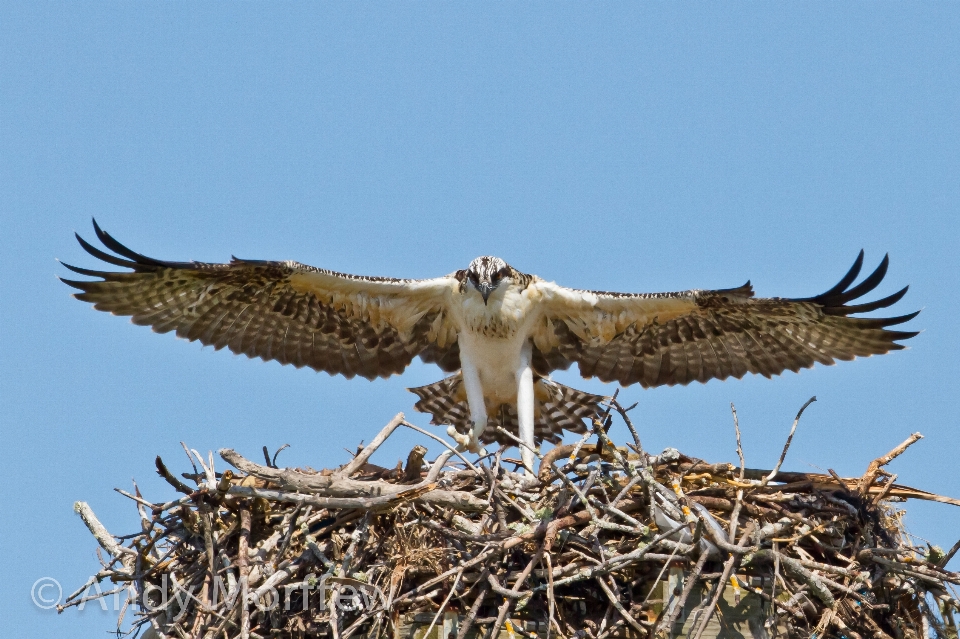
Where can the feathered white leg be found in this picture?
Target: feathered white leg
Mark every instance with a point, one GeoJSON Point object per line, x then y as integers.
{"type": "Point", "coordinates": [478, 408]}
{"type": "Point", "coordinates": [525, 412]}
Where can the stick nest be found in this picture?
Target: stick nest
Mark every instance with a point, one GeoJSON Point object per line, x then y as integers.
{"type": "Point", "coordinates": [604, 541]}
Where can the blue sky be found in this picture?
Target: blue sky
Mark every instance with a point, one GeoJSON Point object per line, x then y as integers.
{"type": "Point", "coordinates": [619, 146]}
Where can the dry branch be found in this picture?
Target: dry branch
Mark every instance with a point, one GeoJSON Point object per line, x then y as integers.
{"type": "Point", "coordinates": [579, 551]}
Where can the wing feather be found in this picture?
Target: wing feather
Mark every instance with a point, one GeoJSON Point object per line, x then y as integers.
{"type": "Point", "coordinates": [707, 357]}
{"type": "Point", "coordinates": [738, 354]}
{"type": "Point", "coordinates": [718, 348]}
{"type": "Point", "coordinates": [283, 311]}
{"type": "Point", "coordinates": [676, 338]}
{"type": "Point", "coordinates": [650, 369]}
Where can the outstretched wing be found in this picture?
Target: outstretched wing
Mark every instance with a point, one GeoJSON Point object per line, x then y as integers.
{"type": "Point", "coordinates": [676, 338]}
{"type": "Point", "coordinates": [285, 311]}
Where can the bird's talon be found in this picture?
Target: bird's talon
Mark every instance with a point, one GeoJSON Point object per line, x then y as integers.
{"type": "Point", "coordinates": [463, 441]}
{"type": "Point", "coordinates": [474, 445]}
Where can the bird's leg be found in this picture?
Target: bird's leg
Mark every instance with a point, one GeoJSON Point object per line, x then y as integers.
{"type": "Point", "coordinates": [478, 408]}
{"type": "Point", "coordinates": [525, 401]}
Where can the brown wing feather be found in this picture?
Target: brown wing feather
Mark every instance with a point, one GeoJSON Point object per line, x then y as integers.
{"type": "Point", "coordinates": [262, 309]}
{"type": "Point", "coordinates": [725, 333]}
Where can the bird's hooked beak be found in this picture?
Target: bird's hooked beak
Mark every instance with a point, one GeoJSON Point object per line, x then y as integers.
{"type": "Point", "coordinates": [485, 289]}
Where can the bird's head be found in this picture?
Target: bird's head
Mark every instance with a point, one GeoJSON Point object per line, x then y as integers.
{"type": "Point", "coordinates": [486, 273]}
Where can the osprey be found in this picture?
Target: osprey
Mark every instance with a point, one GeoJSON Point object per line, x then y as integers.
{"type": "Point", "coordinates": [501, 332]}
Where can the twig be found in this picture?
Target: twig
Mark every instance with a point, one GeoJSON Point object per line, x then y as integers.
{"type": "Point", "coordinates": [512, 595]}
{"type": "Point", "coordinates": [168, 476]}
{"type": "Point", "coordinates": [786, 446]}
{"type": "Point", "coordinates": [633, 431]}
{"type": "Point", "coordinates": [243, 563]}
{"type": "Point", "coordinates": [366, 503]}
{"type": "Point", "coordinates": [437, 466]}
{"type": "Point", "coordinates": [735, 514]}
{"type": "Point", "coordinates": [99, 532]}
{"type": "Point", "coordinates": [736, 428]}
{"type": "Point", "coordinates": [361, 459]}
{"type": "Point", "coordinates": [551, 597]}
{"type": "Point", "coordinates": [950, 554]}
{"type": "Point", "coordinates": [873, 469]}
{"type": "Point", "coordinates": [467, 623]}
{"type": "Point", "coordinates": [728, 568]}
{"type": "Point", "coordinates": [443, 606]}
{"type": "Point", "coordinates": [279, 450]}
{"type": "Point", "coordinates": [887, 487]}
{"type": "Point", "coordinates": [339, 486]}
{"type": "Point", "coordinates": [444, 443]}
{"type": "Point", "coordinates": [615, 601]}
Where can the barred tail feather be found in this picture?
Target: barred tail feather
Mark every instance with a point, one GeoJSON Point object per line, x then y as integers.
{"type": "Point", "coordinates": [557, 408]}
{"type": "Point", "coordinates": [446, 400]}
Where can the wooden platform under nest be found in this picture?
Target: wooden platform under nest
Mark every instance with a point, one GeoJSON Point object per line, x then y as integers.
{"type": "Point", "coordinates": [602, 542]}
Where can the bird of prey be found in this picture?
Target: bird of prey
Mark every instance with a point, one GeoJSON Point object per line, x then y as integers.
{"type": "Point", "coordinates": [501, 332]}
